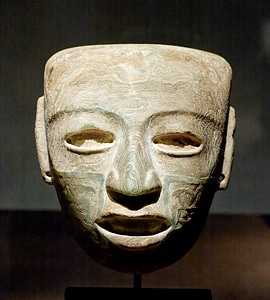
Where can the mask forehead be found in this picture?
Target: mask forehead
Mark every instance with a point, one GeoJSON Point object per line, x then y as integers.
{"type": "Point", "coordinates": [138, 77]}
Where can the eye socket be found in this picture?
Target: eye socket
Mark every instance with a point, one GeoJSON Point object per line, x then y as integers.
{"type": "Point", "coordinates": [178, 143]}
{"type": "Point", "coordinates": [89, 141]}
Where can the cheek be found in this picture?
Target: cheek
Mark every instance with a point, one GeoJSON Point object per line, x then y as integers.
{"type": "Point", "coordinates": [181, 198]}
{"type": "Point", "coordinates": [185, 196]}
{"type": "Point", "coordinates": [194, 166]}
{"type": "Point", "coordinates": [81, 195]}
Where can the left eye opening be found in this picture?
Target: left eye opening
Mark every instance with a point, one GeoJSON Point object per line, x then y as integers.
{"type": "Point", "coordinates": [89, 141]}
{"type": "Point", "coordinates": [178, 143]}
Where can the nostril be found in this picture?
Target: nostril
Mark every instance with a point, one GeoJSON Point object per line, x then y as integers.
{"type": "Point", "coordinates": [134, 202]}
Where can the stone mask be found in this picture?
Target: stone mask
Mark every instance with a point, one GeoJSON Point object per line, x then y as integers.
{"type": "Point", "coordinates": [136, 139]}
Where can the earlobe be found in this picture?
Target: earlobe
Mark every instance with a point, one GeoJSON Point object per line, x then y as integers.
{"type": "Point", "coordinates": [229, 151]}
{"type": "Point", "coordinates": [41, 142]}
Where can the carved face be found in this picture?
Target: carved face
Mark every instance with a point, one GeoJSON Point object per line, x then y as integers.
{"type": "Point", "coordinates": [135, 137]}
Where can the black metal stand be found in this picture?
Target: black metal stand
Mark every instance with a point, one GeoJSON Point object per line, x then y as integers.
{"type": "Point", "coordinates": [137, 281]}
{"type": "Point", "coordinates": [88, 293]}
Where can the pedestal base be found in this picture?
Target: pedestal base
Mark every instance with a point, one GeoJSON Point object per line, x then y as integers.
{"type": "Point", "coordinates": [87, 293]}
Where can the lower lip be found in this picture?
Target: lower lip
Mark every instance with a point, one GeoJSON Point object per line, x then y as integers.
{"type": "Point", "coordinates": [134, 242]}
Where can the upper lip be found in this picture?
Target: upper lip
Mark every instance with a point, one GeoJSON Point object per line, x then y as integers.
{"type": "Point", "coordinates": [133, 226]}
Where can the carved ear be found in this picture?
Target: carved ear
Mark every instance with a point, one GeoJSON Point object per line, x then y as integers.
{"type": "Point", "coordinates": [41, 142]}
{"type": "Point", "coordinates": [229, 151]}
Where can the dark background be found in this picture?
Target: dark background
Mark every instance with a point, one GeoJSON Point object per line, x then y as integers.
{"type": "Point", "coordinates": [31, 31]}
{"type": "Point", "coordinates": [38, 256]}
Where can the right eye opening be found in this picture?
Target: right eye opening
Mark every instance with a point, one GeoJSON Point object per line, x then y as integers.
{"type": "Point", "coordinates": [178, 139]}
{"type": "Point", "coordinates": [97, 135]}
{"type": "Point", "coordinates": [178, 143]}
{"type": "Point", "coordinates": [89, 141]}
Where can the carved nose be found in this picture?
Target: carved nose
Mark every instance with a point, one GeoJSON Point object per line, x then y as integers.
{"type": "Point", "coordinates": [132, 181]}
{"type": "Point", "coordinates": [133, 202]}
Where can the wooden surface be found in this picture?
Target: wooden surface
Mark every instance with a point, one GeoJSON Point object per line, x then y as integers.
{"type": "Point", "coordinates": [39, 259]}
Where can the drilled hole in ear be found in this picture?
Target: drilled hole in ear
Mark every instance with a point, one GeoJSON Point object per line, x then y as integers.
{"type": "Point", "coordinates": [49, 174]}
{"type": "Point", "coordinates": [221, 177]}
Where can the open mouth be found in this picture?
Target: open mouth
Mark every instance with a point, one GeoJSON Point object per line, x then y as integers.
{"type": "Point", "coordinates": [134, 232]}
